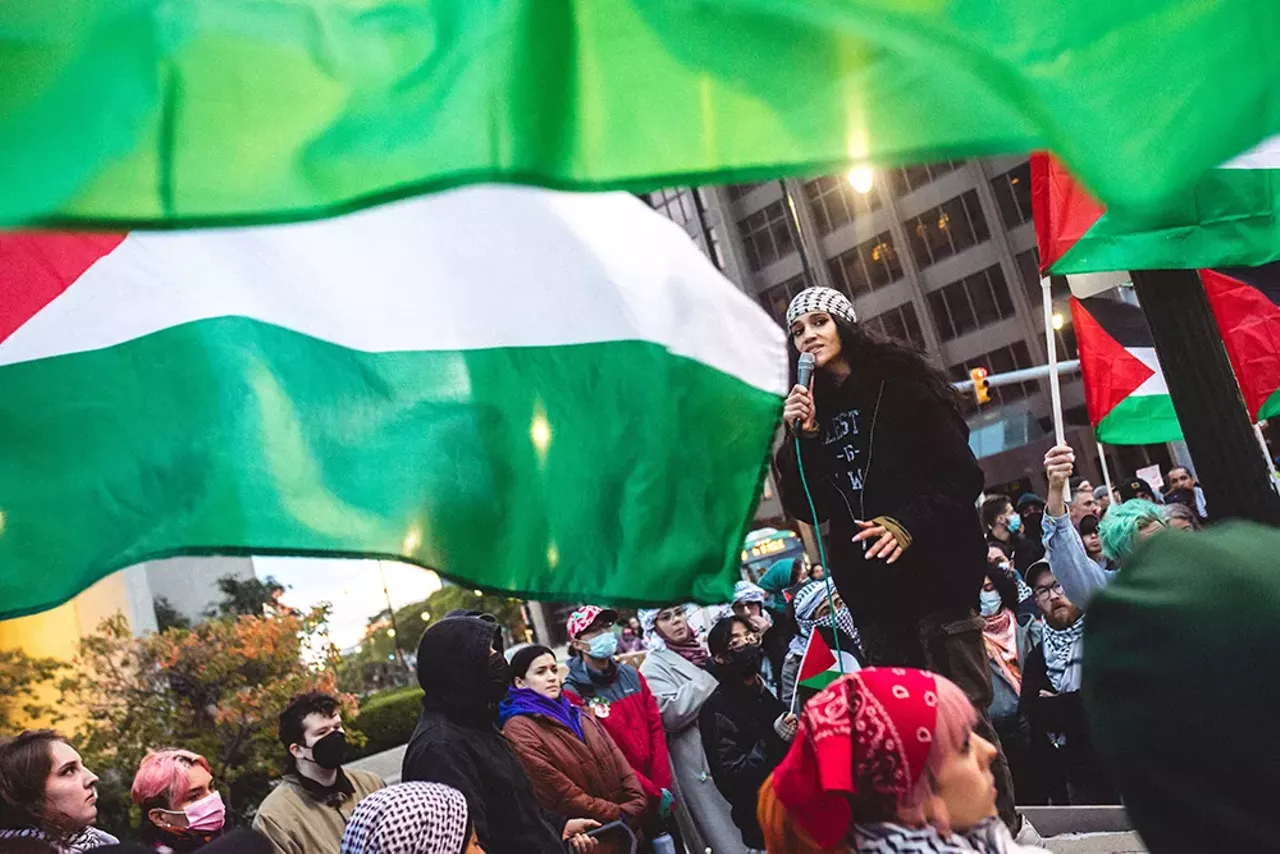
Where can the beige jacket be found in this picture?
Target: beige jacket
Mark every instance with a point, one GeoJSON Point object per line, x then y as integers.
{"type": "Point", "coordinates": [297, 822]}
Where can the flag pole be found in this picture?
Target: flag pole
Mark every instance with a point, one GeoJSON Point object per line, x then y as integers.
{"type": "Point", "coordinates": [1106, 471]}
{"type": "Point", "coordinates": [1055, 386]}
{"type": "Point", "coordinates": [1266, 453]}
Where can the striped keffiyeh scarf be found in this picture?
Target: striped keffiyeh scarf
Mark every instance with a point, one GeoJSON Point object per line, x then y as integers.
{"type": "Point", "coordinates": [77, 843]}
{"type": "Point", "coordinates": [1063, 653]}
{"type": "Point", "coordinates": [408, 818]}
{"type": "Point", "coordinates": [988, 837]}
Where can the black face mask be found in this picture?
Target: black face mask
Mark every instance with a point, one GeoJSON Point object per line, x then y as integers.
{"type": "Point", "coordinates": [745, 661]}
{"type": "Point", "coordinates": [499, 676]}
{"type": "Point", "coordinates": [331, 751]}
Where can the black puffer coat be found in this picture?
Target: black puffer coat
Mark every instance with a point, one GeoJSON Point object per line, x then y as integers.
{"type": "Point", "coordinates": [917, 469]}
{"type": "Point", "coordinates": [457, 741]}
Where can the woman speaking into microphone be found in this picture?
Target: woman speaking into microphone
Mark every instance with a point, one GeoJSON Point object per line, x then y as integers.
{"type": "Point", "coordinates": [887, 463]}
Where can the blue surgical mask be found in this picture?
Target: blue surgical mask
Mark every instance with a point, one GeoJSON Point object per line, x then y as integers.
{"type": "Point", "coordinates": [603, 646]}
{"type": "Point", "coordinates": [1014, 524]}
{"type": "Point", "coordinates": [989, 602]}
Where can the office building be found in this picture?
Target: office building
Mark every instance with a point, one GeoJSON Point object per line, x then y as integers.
{"type": "Point", "coordinates": [940, 255]}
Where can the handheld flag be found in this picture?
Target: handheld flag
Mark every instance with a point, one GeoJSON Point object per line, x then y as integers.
{"type": "Point", "coordinates": [820, 667]}
{"type": "Point", "coordinates": [1246, 305]}
{"type": "Point", "coordinates": [1231, 216]}
{"type": "Point", "coordinates": [549, 394]}
{"type": "Point", "coordinates": [1124, 385]}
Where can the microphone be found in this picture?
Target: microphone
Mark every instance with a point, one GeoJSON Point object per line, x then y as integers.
{"type": "Point", "coordinates": [804, 373]}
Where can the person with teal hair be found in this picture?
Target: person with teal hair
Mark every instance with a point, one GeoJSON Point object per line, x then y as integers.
{"type": "Point", "coordinates": [1127, 524]}
{"type": "Point", "coordinates": [780, 576]}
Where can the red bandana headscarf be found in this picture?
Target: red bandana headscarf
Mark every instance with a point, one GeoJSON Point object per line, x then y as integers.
{"type": "Point", "coordinates": [868, 733]}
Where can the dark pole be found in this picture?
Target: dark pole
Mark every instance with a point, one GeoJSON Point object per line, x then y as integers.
{"type": "Point", "coordinates": [1215, 422]}
{"type": "Point", "coordinates": [793, 223]}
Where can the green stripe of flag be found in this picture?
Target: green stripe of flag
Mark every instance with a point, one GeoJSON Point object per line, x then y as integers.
{"type": "Point", "coordinates": [1141, 420]}
{"type": "Point", "coordinates": [231, 435]}
{"type": "Point", "coordinates": [175, 112]}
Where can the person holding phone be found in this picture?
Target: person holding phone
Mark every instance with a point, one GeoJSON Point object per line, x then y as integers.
{"type": "Point", "coordinates": [885, 456]}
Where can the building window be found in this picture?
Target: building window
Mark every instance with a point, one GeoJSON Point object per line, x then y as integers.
{"type": "Point", "coordinates": [1001, 361]}
{"type": "Point", "coordinates": [766, 236]}
{"type": "Point", "coordinates": [777, 298]}
{"type": "Point", "coordinates": [951, 227]}
{"type": "Point", "coordinates": [1013, 195]}
{"type": "Point", "coordinates": [737, 191]}
{"type": "Point", "coordinates": [835, 203]}
{"type": "Point", "coordinates": [971, 303]}
{"type": "Point", "coordinates": [675, 205]}
{"type": "Point", "coordinates": [910, 178]}
{"type": "Point", "coordinates": [867, 266]}
{"type": "Point", "coordinates": [899, 323]}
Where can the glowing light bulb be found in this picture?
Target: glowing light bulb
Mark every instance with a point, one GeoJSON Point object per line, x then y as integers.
{"type": "Point", "coordinates": [861, 178]}
{"type": "Point", "coordinates": [1058, 320]}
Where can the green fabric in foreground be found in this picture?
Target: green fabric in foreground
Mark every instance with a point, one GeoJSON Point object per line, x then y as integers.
{"type": "Point", "coordinates": [1141, 420]}
{"type": "Point", "coordinates": [177, 112]}
{"type": "Point", "coordinates": [230, 435]}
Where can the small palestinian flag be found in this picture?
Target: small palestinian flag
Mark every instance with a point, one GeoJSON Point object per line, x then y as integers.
{"type": "Point", "coordinates": [1124, 386]}
{"type": "Point", "coordinates": [1246, 304]}
{"type": "Point", "coordinates": [820, 667]}
{"type": "Point", "coordinates": [1231, 216]}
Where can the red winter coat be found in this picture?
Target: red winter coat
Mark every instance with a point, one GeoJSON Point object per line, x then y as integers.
{"type": "Point", "coordinates": [633, 718]}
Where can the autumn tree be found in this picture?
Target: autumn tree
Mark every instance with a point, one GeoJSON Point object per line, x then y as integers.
{"type": "Point", "coordinates": [251, 596]}
{"type": "Point", "coordinates": [20, 676]}
{"type": "Point", "coordinates": [217, 688]}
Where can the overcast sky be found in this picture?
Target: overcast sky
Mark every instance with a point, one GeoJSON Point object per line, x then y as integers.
{"type": "Point", "coordinates": [353, 587]}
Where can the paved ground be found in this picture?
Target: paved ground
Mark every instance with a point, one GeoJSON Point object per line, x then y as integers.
{"type": "Point", "coordinates": [387, 766]}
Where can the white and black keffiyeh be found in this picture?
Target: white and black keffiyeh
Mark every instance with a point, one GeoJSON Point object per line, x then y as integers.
{"type": "Point", "coordinates": [809, 597]}
{"type": "Point", "coordinates": [1063, 655]}
{"type": "Point", "coordinates": [831, 301]}
{"type": "Point", "coordinates": [988, 837]}
{"type": "Point", "coordinates": [408, 818]}
{"type": "Point", "coordinates": [77, 843]}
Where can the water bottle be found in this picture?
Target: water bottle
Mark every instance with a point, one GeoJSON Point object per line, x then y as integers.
{"type": "Point", "coordinates": [664, 844]}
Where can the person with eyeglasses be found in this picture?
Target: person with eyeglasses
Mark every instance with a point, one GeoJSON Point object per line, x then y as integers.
{"type": "Point", "coordinates": [746, 730]}
{"type": "Point", "coordinates": [1061, 750]}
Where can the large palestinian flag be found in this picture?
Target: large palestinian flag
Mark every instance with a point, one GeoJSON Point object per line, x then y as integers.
{"type": "Point", "coordinates": [1124, 386]}
{"type": "Point", "coordinates": [185, 112]}
{"type": "Point", "coordinates": [1246, 304]}
{"type": "Point", "coordinates": [1230, 217]}
{"type": "Point", "coordinates": [547, 394]}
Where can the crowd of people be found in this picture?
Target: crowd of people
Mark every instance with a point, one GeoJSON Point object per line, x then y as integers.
{"type": "Point", "coordinates": [954, 685]}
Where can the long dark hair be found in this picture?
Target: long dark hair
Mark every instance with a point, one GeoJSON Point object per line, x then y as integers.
{"type": "Point", "coordinates": [874, 357]}
{"type": "Point", "coordinates": [26, 761]}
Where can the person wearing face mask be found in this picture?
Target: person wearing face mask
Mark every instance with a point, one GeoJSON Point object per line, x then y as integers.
{"type": "Point", "coordinates": [616, 695]}
{"type": "Point", "coordinates": [1008, 644]}
{"type": "Point", "coordinates": [47, 795]}
{"type": "Point", "coordinates": [180, 806]}
{"type": "Point", "coordinates": [464, 677]}
{"type": "Point", "coordinates": [745, 728]}
{"type": "Point", "coordinates": [309, 809]}
{"type": "Point", "coordinates": [749, 603]}
{"type": "Point", "coordinates": [1005, 531]}
{"type": "Point", "coordinates": [574, 764]}
{"type": "Point", "coordinates": [813, 614]}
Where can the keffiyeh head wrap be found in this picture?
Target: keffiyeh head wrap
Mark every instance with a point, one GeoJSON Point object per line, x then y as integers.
{"type": "Point", "coordinates": [408, 818]}
{"type": "Point", "coordinates": [694, 651]}
{"type": "Point", "coordinates": [809, 597]}
{"type": "Point", "coordinates": [745, 591]}
{"type": "Point", "coordinates": [831, 301]}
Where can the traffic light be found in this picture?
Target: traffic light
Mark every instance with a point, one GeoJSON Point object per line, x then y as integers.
{"type": "Point", "coordinates": [981, 387]}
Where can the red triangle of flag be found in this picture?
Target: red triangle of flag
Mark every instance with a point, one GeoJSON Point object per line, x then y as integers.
{"type": "Point", "coordinates": [1062, 208]}
{"type": "Point", "coordinates": [818, 658]}
{"type": "Point", "coordinates": [1111, 373]}
{"type": "Point", "coordinates": [1250, 325]}
{"type": "Point", "coordinates": [35, 267]}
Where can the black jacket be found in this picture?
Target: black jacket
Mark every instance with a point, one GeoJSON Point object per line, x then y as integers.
{"type": "Point", "coordinates": [457, 742]}
{"type": "Point", "coordinates": [736, 725]}
{"type": "Point", "coordinates": [917, 469]}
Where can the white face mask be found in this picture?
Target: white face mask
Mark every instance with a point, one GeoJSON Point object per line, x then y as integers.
{"type": "Point", "coordinates": [990, 602]}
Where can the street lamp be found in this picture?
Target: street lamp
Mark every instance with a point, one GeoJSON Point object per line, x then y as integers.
{"type": "Point", "coordinates": [426, 617]}
{"type": "Point", "coordinates": [860, 178]}
{"type": "Point", "coordinates": [1058, 320]}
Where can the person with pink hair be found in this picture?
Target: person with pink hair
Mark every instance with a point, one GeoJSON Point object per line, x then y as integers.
{"type": "Point", "coordinates": [886, 759]}
{"type": "Point", "coordinates": [181, 808]}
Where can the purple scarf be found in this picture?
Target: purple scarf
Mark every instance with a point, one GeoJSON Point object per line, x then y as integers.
{"type": "Point", "coordinates": [524, 701]}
